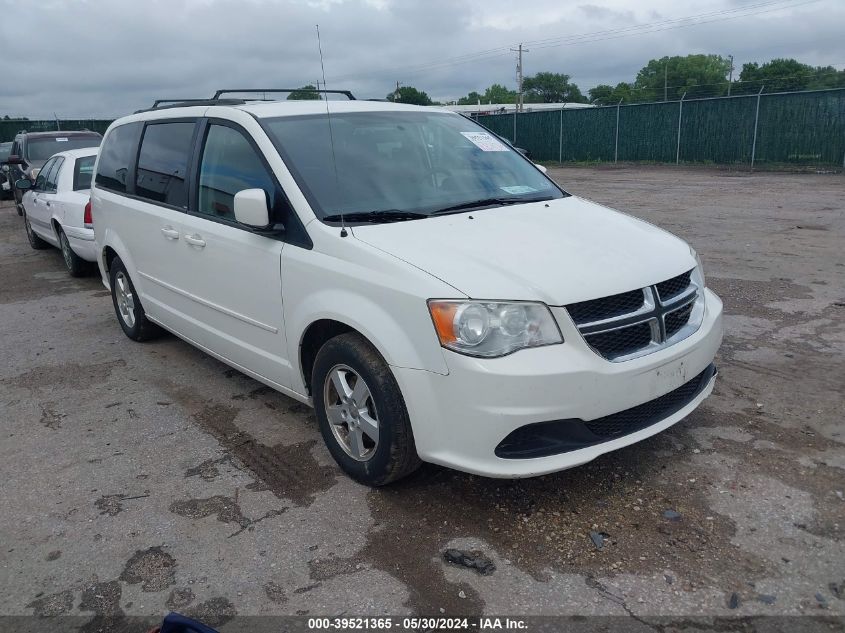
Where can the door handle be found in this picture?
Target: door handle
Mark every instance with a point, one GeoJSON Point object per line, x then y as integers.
{"type": "Point", "coordinates": [170, 233]}
{"type": "Point", "coordinates": [195, 240]}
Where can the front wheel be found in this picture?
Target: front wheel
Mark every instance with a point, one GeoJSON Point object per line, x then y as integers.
{"type": "Point", "coordinates": [361, 412]}
{"type": "Point", "coordinates": [34, 241]}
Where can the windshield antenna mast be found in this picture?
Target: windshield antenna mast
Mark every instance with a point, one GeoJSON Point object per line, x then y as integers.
{"type": "Point", "coordinates": [343, 232]}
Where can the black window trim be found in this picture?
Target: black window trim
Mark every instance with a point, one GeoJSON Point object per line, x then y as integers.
{"type": "Point", "coordinates": [295, 234]}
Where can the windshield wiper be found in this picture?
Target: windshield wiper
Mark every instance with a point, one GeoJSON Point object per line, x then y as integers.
{"type": "Point", "coordinates": [376, 217]}
{"type": "Point", "coordinates": [488, 202]}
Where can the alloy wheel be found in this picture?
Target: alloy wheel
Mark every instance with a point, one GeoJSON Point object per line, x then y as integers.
{"type": "Point", "coordinates": [351, 412]}
{"type": "Point", "coordinates": [125, 299]}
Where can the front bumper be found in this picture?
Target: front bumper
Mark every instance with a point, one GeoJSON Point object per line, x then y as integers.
{"type": "Point", "coordinates": [459, 419]}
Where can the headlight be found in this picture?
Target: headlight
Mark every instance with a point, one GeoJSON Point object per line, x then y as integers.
{"type": "Point", "coordinates": [488, 329]}
{"type": "Point", "coordinates": [33, 173]}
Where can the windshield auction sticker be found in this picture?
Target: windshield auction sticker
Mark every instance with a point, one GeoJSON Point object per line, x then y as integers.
{"type": "Point", "coordinates": [485, 142]}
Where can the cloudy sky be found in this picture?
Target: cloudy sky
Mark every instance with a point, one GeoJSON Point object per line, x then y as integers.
{"type": "Point", "coordinates": [105, 58]}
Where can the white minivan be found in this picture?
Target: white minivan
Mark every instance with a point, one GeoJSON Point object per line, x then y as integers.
{"type": "Point", "coordinates": [425, 287]}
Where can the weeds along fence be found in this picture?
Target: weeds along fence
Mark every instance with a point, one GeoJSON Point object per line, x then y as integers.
{"type": "Point", "coordinates": [801, 128]}
{"type": "Point", "coordinates": [8, 129]}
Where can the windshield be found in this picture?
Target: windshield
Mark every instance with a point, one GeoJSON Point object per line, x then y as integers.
{"type": "Point", "coordinates": [82, 173]}
{"type": "Point", "coordinates": [403, 162]}
{"type": "Point", "coordinates": [5, 150]}
{"type": "Point", "coordinates": [41, 148]}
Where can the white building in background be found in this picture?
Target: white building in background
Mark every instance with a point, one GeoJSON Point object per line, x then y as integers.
{"type": "Point", "coordinates": [508, 108]}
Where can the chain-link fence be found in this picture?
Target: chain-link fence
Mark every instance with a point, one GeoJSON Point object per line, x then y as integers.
{"type": "Point", "coordinates": [802, 128]}
{"type": "Point", "coordinates": [8, 128]}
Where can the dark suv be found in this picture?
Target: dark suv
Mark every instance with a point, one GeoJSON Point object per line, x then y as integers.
{"type": "Point", "coordinates": [5, 185]}
{"type": "Point", "coordinates": [30, 150]}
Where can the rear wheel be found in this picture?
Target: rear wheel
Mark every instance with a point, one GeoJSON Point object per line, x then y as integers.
{"type": "Point", "coordinates": [76, 266]}
{"type": "Point", "coordinates": [127, 305]}
{"type": "Point", "coordinates": [361, 412]}
{"type": "Point", "coordinates": [34, 241]}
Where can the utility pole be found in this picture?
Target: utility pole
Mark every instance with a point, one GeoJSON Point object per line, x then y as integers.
{"type": "Point", "coordinates": [665, 83]}
{"type": "Point", "coordinates": [731, 76]}
{"type": "Point", "coordinates": [519, 52]}
{"type": "Point", "coordinates": [396, 94]}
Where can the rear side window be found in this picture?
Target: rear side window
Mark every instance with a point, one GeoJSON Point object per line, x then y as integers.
{"type": "Point", "coordinates": [82, 172]}
{"type": "Point", "coordinates": [163, 163]}
{"type": "Point", "coordinates": [53, 175]}
{"type": "Point", "coordinates": [229, 165]}
{"type": "Point", "coordinates": [116, 156]}
{"type": "Point", "coordinates": [41, 179]}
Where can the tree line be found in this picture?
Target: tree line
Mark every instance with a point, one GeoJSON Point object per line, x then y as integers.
{"type": "Point", "coordinates": [667, 78]}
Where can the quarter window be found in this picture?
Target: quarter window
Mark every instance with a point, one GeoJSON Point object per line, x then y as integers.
{"type": "Point", "coordinates": [229, 164]}
{"type": "Point", "coordinates": [82, 172]}
{"type": "Point", "coordinates": [116, 157]}
{"type": "Point", "coordinates": [163, 163]}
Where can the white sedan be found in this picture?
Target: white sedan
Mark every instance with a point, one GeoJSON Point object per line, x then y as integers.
{"type": "Point", "coordinates": [57, 208]}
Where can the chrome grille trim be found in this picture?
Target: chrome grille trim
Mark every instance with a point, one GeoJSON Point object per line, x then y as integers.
{"type": "Point", "coordinates": [654, 312]}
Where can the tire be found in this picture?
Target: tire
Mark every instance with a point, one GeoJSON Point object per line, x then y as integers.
{"type": "Point", "coordinates": [18, 202]}
{"type": "Point", "coordinates": [349, 434]}
{"type": "Point", "coordinates": [127, 305]}
{"type": "Point", "coordinates": [76, 266]}
{"type": "Point", "coordinates": [34, 241]}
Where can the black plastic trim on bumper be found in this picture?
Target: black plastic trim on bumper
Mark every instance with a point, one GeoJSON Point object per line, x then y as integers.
{"type": "Point", "coordinates": [543, 439]}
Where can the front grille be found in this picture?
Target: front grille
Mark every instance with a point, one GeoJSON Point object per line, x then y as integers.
{"type": "Point", "coordinates": [677, 319]}
{"type": "Point", "coordinates": [620, 342]}
{"type": "Point", "coordinates": [561, 436]}
{"type": "Point", "coordinates": [673, 287]}
{"type": "Point", "coordinates": [606, 307]}
{"type": "Point", "coordinates": [630, 324]}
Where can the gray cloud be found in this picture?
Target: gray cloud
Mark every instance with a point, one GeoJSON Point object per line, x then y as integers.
{"type": "Point", "coordinates": [103, 58]}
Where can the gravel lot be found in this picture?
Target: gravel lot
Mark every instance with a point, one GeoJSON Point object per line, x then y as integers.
{"type": "Point", "coordinates": [143, 478]}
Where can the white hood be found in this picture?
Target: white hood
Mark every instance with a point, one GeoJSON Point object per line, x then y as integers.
{"type": "Point", "coordinates": [558, 252]}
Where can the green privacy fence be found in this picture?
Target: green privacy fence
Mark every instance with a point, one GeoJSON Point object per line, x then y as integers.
{"type": "Point", "coordinates": [806, 128]}
{"type": "Point", "coordinates": [8, 129]}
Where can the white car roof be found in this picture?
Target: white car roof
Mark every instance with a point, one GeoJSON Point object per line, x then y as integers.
{"type": "Point", "coordinates": [78, 153]}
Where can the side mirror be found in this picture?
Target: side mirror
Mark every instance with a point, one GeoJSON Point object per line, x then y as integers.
{"type": "Point", "coordinates": [542, 168]}
{"type": "Point", "coordinates": [14, 159]}
{"type": "Point", "coordinates": [23, 184]}
{"type": "Point", "coordinates": [521, 150]}
{"type": "Point", "coordinates": [251, 208]}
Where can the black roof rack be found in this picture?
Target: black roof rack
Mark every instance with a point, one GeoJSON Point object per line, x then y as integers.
{"type": "Point", "coordinates": [346, 93]}
{"type": "Point", "coordinates": [160, 104]}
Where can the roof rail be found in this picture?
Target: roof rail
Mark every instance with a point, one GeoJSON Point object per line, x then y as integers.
{"type": "Point", "coordinates": [163, 104]}
{"type": "Point", "coordinates": [346, 93]}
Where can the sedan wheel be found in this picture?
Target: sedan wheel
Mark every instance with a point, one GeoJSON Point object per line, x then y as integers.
{"type": "Point", "coordinates": [34, 241]}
